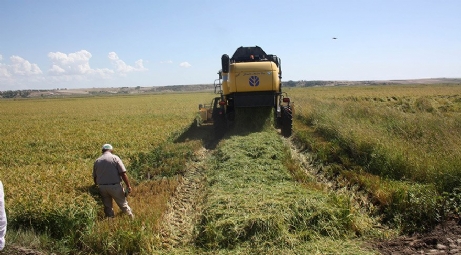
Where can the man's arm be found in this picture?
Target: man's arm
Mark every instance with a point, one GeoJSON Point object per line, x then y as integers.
{"type": "Point", "coordinates": [125, 179]}
{"type": "Point", "coordinates": [94, 173]}
{"type": "Point", "coordinates": [122, 172]}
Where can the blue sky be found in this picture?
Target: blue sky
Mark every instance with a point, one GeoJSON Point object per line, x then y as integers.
{"type": "Point", "coordinates": [84, 44]}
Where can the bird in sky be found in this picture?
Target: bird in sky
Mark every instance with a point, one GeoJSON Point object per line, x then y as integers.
{"type": "Point", "coordinates": [334, 38]}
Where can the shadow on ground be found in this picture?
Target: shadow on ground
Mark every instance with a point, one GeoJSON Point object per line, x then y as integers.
{"type": "Point", "coordinates": [204, 133]}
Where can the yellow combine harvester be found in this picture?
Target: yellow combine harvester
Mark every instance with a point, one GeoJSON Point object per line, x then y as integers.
{"type": "Point", "coordinates": [251, 78]}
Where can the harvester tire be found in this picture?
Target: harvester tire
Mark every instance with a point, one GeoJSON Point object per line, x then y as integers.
{"type": "Point", "coordinates": [287, 121]}
{"type": "Point", "coordinates": [219, 126]}
{"type": "Point", "coordinates": [277, 120]}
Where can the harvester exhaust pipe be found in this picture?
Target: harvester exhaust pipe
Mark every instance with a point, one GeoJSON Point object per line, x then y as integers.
{"type": "Point", "coordinates": [225, 63]}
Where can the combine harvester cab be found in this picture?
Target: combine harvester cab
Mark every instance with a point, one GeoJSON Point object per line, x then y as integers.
{"type": "Point", "coordinates": [251, 78]}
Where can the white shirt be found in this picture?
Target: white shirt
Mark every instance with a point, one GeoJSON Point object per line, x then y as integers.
{"type": "Point", "coordinates": [2, 218]}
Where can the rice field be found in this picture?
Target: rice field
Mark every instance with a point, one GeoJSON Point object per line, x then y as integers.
{"type": "Point", "coordinates": [401, 143]}
{"type": "Point", "coordinates": [401, 132]}
{"type": "Point", "coordinates": [398, 143]}
{"type": "Point", "coordinates": [48, 147]}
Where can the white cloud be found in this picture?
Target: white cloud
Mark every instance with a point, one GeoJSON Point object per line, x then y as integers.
{"type": "Point", "coordinates": [18, 72]}
{"type": "Point", "coordinates": [4, 71]}
{"type": "Point", "coordinates": [77, 63]}
{"type": "Point", "coordinates": [139, 65]}
{"type": "Point", "coordinates": [65, 70]}
{"type": "Point", "coordinates": [185, 65]}
{"type": "Point", "coordinates": [113, 56]}
{"type": "Point", "coordinates": [24, 67]}
{"type": "Point", "coordinates": [166, 62]}
{"type": "Point", "coordinates": [18, 67]}
{"type": "Point", "coordinates": [122, 67]}
{"type": "Point", "coordinates": [56, 70]}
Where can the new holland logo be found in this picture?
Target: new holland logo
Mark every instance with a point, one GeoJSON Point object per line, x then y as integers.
{"type": "Point", "coordinates": [253, 81]}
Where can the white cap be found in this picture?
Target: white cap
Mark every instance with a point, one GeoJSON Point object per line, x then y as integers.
{"type": "Point", "coordinates": [107, 147]}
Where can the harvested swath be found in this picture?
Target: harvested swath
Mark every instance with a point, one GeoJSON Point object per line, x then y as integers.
{"type": "Point", "coordinates": [252, 200]}
{"type": "Point", "coordinates": [252, 119]}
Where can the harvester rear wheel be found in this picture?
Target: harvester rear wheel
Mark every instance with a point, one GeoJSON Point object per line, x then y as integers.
{"type": "Point", "coordinates": [287, 121]}
{"type": "Point", "coordinates": [277, 120]}
{"type": "Point", "coordinates": [219, 125]}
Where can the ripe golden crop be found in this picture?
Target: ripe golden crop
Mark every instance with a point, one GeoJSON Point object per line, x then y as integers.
{"type": "Point", "coordinates": [48, 147]}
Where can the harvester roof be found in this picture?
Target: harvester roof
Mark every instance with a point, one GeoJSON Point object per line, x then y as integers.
{"type": "Point", "coordinates": [243, 54]}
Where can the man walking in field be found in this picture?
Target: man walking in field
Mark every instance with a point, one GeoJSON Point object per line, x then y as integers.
{"type": "Point", "coordinates": [108, 172]}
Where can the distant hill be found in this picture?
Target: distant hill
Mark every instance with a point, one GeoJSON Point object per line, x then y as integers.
{"type": "Point", "coordinates": [304, 83]}
{"type": "Point", "coordinates": [208, 87]}
{"type": "Point", "coordinates": [111, 91]}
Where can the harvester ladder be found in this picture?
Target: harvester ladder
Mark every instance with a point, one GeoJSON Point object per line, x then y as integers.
{"type": "Point", "coordinates": [217, 86]}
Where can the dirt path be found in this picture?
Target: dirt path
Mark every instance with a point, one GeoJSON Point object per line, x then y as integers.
{"type": "Point", "coordinates": [444, 239]}
{"type": "Point", "coordinates": [17, 250]}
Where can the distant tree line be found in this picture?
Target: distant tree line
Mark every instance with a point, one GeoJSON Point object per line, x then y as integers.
{"type": "Point", "coordinates": [15, 93]}
{"type": "Point", "coordinates": [303, 83]}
